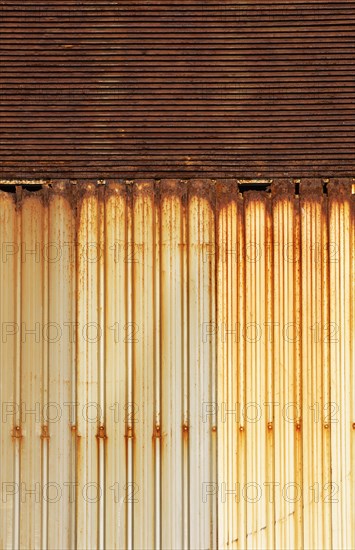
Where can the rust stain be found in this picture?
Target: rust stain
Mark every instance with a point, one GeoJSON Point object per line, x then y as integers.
{"type": "Point", "coordinates": [157, 433]}
{"type": "Point", "coordinates": [45, 432]}
{"type": "Point", "coordinates": [17, 432]}
{"type": "Point", "coordinates": [129, 434]}
{"type": "Point", "coordinates": [101, 434]}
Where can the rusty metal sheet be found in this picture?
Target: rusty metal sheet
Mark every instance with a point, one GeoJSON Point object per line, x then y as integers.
{"type": "Point", "coordinates": [98, 89]}
{"type": "Point", "coordinates": [177, 365]}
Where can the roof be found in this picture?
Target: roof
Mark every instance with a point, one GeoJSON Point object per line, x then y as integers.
{"type": "Point", "coordinates": [103, 89]}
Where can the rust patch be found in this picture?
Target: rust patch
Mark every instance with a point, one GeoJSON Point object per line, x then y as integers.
{"type": "Point", "coordinates": [129, 433]}
{"type": "Point", "coordinates": [203, 189]}
{"type": "Point", "coordinates": [282, 189]}
{"type": "Point", "coordinates": [173, 187]}
{"type": "Point", "coordinates": [157, 432]}
{"type": "Point", "coordinates": [101, 434]}
{"type": "Point", "coordinates": [114, 188]}
{"type": "Point", "coordinates": [17, 432]}
{"type": "Point", "coordinates": [144, 187]}
{"type": "Point", "coordinates": [80, 193]}
{"type": "Point", "coordinates": [226, 192]}
{"type": "Point", "coordinates": [260, 196]}
{"type": "Point", "coordinates": [218, 193]}
{"type": "Point", "coordinates": [74, 430]}
{"type": "Point", "coordinates": [313, 188]}
{"type": "Point", "coordinates": [66, 189]}
{"type": "Point", "coordinates": [45, 432]}
{"type": "Point", "coordinates": [8, 196]}
{"type": "Point", "coordinates": [340, 188]}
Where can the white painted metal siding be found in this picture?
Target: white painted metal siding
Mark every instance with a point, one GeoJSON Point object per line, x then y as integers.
{"type": "Point", "coordinates": [177, 366]}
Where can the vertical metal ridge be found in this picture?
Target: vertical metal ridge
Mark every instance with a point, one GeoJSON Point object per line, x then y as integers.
{"type": "Point", "coordinates": [297, 262]}
{"type": "Point", "coordinates": [9, 363]}
{"type": "Point", "coordinates": [225, 409]}
{"type": "Point", "coordinates": [269, 421]}
{"type": "Point", "coordinates": [342, 365]}
{"type": "Point", "coordinates": [101, 317]}
{"type": "Point", "coordinates": [313, 333]}
{"type": "Point", "coordinates": [117, 308]}
{"type": "Point", "coordinates": [201, 270]}
{"type": "Point", "coordinates": [185, 352]}
{"type": "Point", "coordinates": [143, 362]}
{"type": "Point", "coordinates": [89, 491]}
{"type": "Point", "coordinates": [242, 395]}
{"type": "Point", "coordinates": [129, 433]}
{"type": "Point", "coordinates": [327, 323]}
{"type": "Point", "coordinates": [45, 434]}
{"type": "Point", "coordinates": [285, 334]}
{"type": "Point", "coordinates": [157, 272]}
{"type": "Point", "coordinates": [18, 417]}
{"type": "Point", "coordinates": [17, 426]}
{"type": "Point", "coordinates": [352, 360]}
{"type": "Point", "coordinates": [174, 440]}
{"type": "Point", "coordinates": [31, 401]}
{"type": "Point", "coordinates": [73, 420]}
{"type": "Point", "coordinates": [60, 336]}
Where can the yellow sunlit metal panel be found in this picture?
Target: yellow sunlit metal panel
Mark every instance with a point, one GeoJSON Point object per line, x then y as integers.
{"type": "Point", "coordinates": [177, 365]}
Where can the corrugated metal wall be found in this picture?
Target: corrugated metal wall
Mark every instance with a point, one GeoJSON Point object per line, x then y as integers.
{"type": "Point", "coordinates": [157, 88]}
{"type": "Point", "coordinates": [177, 366]}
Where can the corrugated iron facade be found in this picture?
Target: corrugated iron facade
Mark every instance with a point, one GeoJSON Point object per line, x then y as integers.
{"type": "Point", "coordinates": [142, 88]}
{"type": "Point", "coordinates": [177, 366]}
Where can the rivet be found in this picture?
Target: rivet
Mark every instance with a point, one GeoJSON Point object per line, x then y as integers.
{"type": "Point", "coordinates": [129, 434]}
{"type": "Point", "coordinates": [101, 434]}
{"type": "Point", "coordinates": [18, 432]}
{"type": "Point", "coordinates": [241, 428]}
{"type": "Point", "coordinates": [45, 433]}
{"type": "Point", "coordinates": [157, 432]}
{"type": "Point", "coordinates": [326, 426]}
{"type": "Point", "coordinates": [269, 425]}
{"type": "Point", "coordinates": [214, 428]}
{"type": "Point", "coordinates": [298, 426]}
